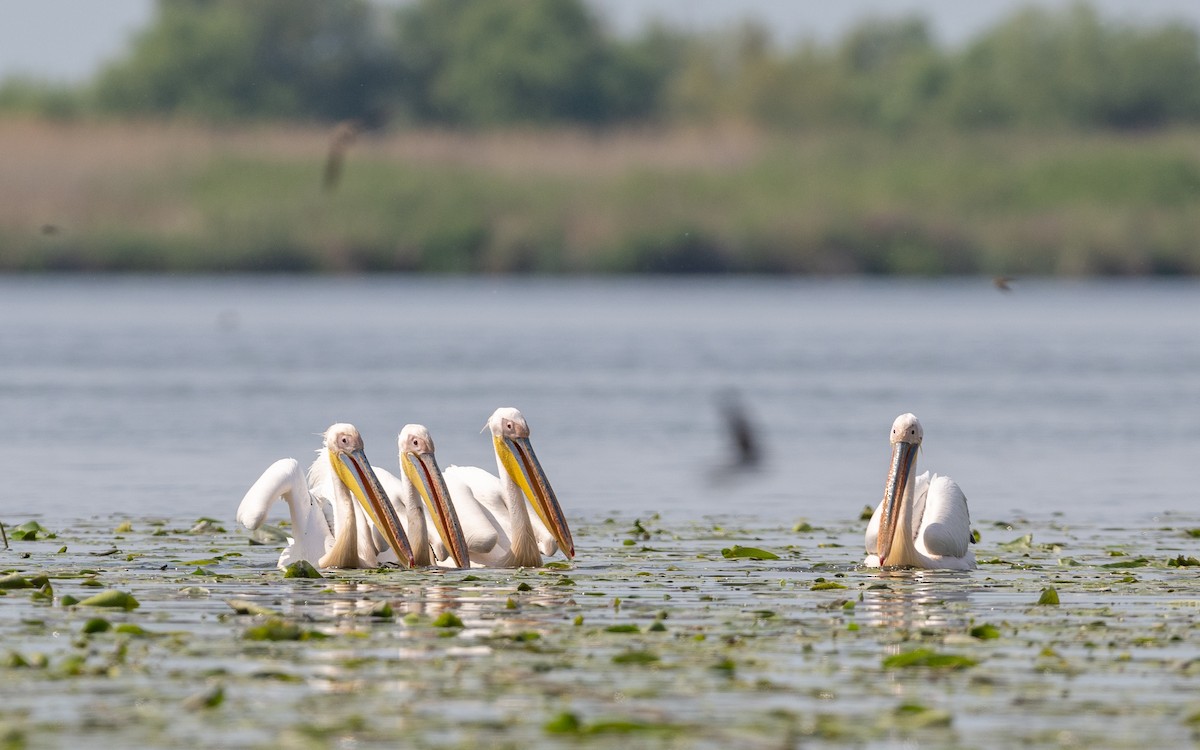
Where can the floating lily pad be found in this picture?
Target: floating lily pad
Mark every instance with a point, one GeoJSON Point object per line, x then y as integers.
{"type": "Point", "coordinates": [97, 625]}
{"type": "Point", "coordinates": [1137, 562]}
{"type": "Point", "coordinates": [302, 569]}
{"type": "Point", "coordinates": [247, 607]}
{"type": "Point", "coordinates": [827, 585]}
{"type": "Point", "coordinates": [985, 632]}
{"type": "Point", "coordinates": [15, 581]}
{"type": "Point", "coordinates": [924, 657]}
{"type": "Point", "coordinates": [752, 553]}
{"type": "Point", "coordinates": [210, 697]}
{"type": "Point", "coordinates": [447, 620]}
{"type": "Point", "coordinates": [111, 598]}
{"type": "Point", "coordinates": [1020, 543]}
{"type": "Point", "coordinates": [29, 532]}
{"type": "Point", "coordinates": [1049, 597]}
{"type": "Point", "coordinates": [636, 657]}
{"type": "Point", "coordinates": [275, 629]}
{"type": "Point", "coordinates": [628, 627]}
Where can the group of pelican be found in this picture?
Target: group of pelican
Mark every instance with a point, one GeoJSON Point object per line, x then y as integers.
{"type": "Point", "coordinates": [461, 518]}
{"type": "Point", "coordinates": [479, 519]}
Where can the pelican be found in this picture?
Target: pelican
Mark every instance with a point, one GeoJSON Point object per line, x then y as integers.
{"type": "Point", "coordinates": [421, 499]}
{"type": "Point", "coordinates": [352, 545]}
{"type": "Point", "coordinates": [496, 523]}
{"type": "Point", "coordinates": [921, 523]}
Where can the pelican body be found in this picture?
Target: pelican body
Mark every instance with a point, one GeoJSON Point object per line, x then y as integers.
{"type": "Point", "coordinates": [421, 500]}
{"type": "Point", "coordinates": [343, 468]}
{"type": "Point", "coordinates": [922, 522]}
{"type": "Point", "coordinates": [496, 523]}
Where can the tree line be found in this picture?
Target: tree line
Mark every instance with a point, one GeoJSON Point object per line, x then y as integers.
{"type": "Point", "coordinates": [503, 63]}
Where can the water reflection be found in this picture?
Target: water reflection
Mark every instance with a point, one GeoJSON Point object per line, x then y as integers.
{"type": "Point", "coordinates": [914, 599]}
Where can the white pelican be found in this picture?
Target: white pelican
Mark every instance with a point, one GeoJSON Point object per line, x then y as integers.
{"type": "Point", "coordinates": [420, 498]}
{"type": "Point", "coordinates": [311, 537]}
{"type": "Point", "coordinates": [496, 523]}
{"type": "Point", "coordinates": [921, 523]}
{"type": "Point", "coordinates": [352, 545]}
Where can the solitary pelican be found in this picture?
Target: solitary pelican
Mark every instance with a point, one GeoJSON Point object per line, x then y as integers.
{"type": "Point", "coordinates": [496, 523]}
{"type": "Point", "coordinates": [352, 478]}
{"type": "Point", "coordinates": [922, 523]}
{"type": "Point", "coordinates": [419, 496]}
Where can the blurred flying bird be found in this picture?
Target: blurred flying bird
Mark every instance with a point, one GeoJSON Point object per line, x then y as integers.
{"type": "Point", "coordinates": [745, 447]}
{"type": "Point", "coordinates": [1002, 283]}
{"type": "Point", "coordinates": [922, 522]}
{"type": "Point", "coordinates": [344, 134]}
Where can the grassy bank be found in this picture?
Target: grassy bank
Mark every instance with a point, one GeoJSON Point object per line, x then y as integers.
{"type": "Point", "coordinates": [156, 197]}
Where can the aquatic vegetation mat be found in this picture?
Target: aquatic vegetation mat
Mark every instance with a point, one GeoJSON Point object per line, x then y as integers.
{"type": "Point", "coordinates": [718, 633]}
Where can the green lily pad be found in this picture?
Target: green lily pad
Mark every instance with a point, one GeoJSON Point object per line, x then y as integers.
{"type": "Point", "coordinates": [275, 629]}
{"type": "Point", "coordinates": [752, 553]}
{"type": "Point", "coordinates": [302, 569]}
{"type": "Point", "coordinates": [636, 657]}
{"type": "Point", "coordinates": [247, 607]}
{"type": "Point", "coordinates": [15, 581]}
{"type": "Point", "coordinates": [827, 585]}
{"type": "Point", "coordinates": [1137, 562]}
{"type": "Point", "coordinates": [447, 620]}
{"type": "Point", "coordinates": [97, 625]}
{"type": "Point", "coordinates": [925, 657]}
{"type": "Point", "coordinates": [111, 598]}
{"type": "Point", "coordinates": [29, 532]}
{"type": "Point", "coordinates": [1049, 597]}
{"type": "Point", "coordinates": [985, 632]}
{"type": "Point", "coordinates": [623, 628]}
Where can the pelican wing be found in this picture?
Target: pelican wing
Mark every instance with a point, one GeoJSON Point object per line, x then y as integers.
{"type": "Point", "coordinates": [479, 505]}
{"type": "Point", "coordinates": [284, 479]}
{"type": "Point", "coordinates": [872, 537]}
{"type": "Point", "coordinates": [945, 528]}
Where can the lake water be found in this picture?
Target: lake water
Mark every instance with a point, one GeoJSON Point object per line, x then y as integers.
{"type": "Point", "coordinates": [167, 396]}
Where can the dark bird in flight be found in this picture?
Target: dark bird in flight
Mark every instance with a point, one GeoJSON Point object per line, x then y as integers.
{"type": "Point", "coordinates": [745, 447]}
{"type": "Point", "coordinates": [344, 134]}
{"type": "Point", "coordinates": [1002, 283]}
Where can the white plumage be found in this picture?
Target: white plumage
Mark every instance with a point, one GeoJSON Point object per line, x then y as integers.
{"type": "Point", "coordinates": [340, 475]}
{"type": "Point", "coordinates": [496, 523]}
{"type": "Point", "coordinates": [922, 522]}
{"type": "Point", "coordinates": [284, 480]}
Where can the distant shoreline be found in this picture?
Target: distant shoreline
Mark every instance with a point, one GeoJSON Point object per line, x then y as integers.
{"type": "Point", "coordinates": [176, 197]}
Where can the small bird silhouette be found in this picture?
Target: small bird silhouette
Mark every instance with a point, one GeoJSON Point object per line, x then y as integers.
{"type": "Point", "coordinates": [743, 438]}
{"type": "Point", "coordinates": [344, 134]}
{"type": "Point", "coordinates": [1002, 283]}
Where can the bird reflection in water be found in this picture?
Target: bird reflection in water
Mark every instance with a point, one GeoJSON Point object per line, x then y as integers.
{"type": "Point", "coordinates": [915, 599]}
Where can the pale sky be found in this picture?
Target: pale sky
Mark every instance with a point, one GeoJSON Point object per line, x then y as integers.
{"type": "Point", "coordinates": [67, 40]}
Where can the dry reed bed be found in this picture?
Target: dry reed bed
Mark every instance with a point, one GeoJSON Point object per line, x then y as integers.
{"type": "Point", "coordinates": [726, 197]}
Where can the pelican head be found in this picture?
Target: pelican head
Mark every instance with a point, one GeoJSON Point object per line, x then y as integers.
{"type": "Point", "coordinates": [345, 447]}
{"type": "Point", "coordinates": [906, 440]}
{"type": "Point", "coordinates": [421, 469]}
{"type": "Point", "coordinates": [510, 433]}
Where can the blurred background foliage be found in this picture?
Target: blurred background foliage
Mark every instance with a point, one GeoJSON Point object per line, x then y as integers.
{"type": "Point", "coordinates": [523, 135]}
{"type": "Point", "coordinates": [466, 63]}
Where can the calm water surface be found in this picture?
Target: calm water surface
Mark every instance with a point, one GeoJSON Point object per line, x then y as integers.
{"type": "Point", "coordinates": [161, 396]}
